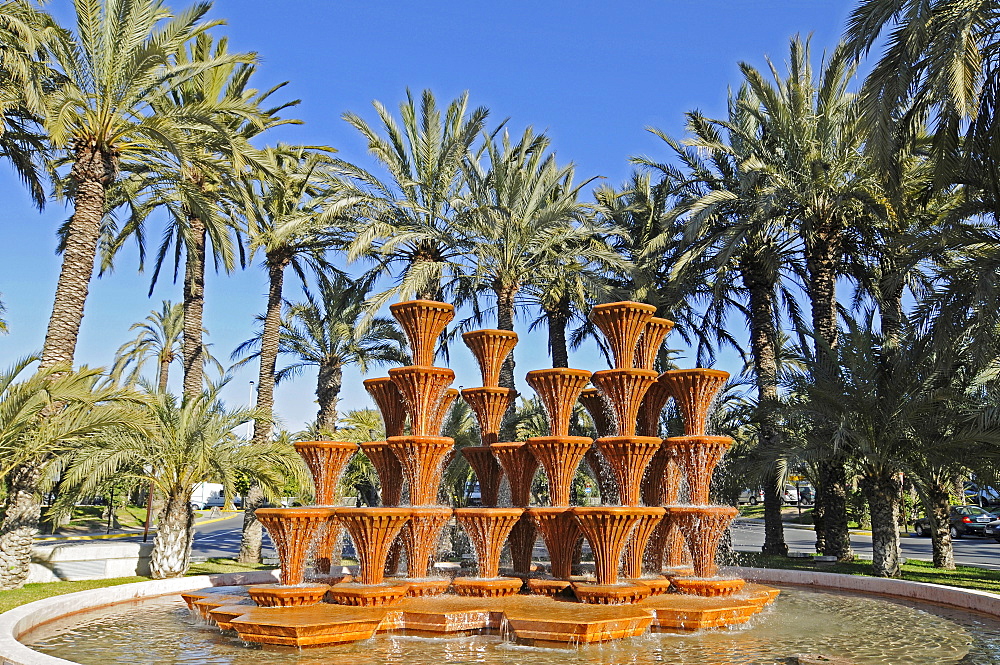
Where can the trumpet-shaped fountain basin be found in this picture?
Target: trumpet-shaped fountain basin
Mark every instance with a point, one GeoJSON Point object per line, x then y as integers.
{"type": "Point", "coordinates": [491, 348]}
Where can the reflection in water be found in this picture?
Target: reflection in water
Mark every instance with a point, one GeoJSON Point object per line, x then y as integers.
{"type": "Point", "coordinates": [864, 629]}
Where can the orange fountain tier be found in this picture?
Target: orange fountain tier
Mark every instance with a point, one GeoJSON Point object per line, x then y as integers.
{"type": "Point", "coordinates": [372, 530]}
{"type": "Point", "coordinates": [697, 456]}
{"type": "Point", "coordinates": [651, 407]}
{"type": "Point", "coordinates": [522, 545]}
{"type": "Point", "coordinates": [702, 527]}
{"type": "Point", "coordinates": [653, 334]}
{"type": "Point", "coordinates": [421, 458]}
{"type": "Point", "coordinates": [292, 531]}
{"type": "Point", "coordinates": [423, 389]}
{"type": "Point", "coordinates": [662, 482]}
{"type": "Point", "coordinates": [444, 407]}
{"type": "Point", "coordinates": [489, 405]}
{"type": "Point", "coordinates": [559, 455]}
{"type": "Point", "coordinates": [623, 389]}
{"type": "Point", "coordinates": [628, 456]}
{"type": "Point", "coordinates": [488, 472]}
{"type": "Point", "coordinates": [636, 545]}
{"type": "Point", "coordinates": [519, 465]}
{"type": "Point", "coordinates": [390, 403]}
{"type": "Point", "coordinates": [491, 348]}
{"type": "Point", "coordinates": [693, 390]}
{"type": "Point", "coordinates": [607, 530]}
{"type": "Point", "coordinates": [326, 461]}
{"type": "Point", "coordinates": [558, 390]}
{"type": "Point", "coordinates": [606, 482]}
{"type": "Point", "coordinates": [599, 411]}
{"type": "Point", "coordinates": [423, 321]}
{"type": "Point", "coordinates": [560, 531]}
{"type": "Point", "coordinates": [488, 529]}
{"type": "Point", "coordinates": [622, 324]}
{"type": "Point", "coordinates": [323, 545]}
{"type": "Point", "coordinates": [420, 537]}
{"type": "Point", "coordinates": [388, 468]}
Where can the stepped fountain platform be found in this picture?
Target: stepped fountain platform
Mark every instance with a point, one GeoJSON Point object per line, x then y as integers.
{"type": "Point", "coordinates": [532, 619]}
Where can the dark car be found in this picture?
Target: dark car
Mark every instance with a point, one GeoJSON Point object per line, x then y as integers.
{"type": "Point", "coordinates": [963, 521]}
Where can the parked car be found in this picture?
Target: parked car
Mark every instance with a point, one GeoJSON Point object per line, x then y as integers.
{"type": "Point", "coordinates": [962, 520]}
{"type": "Point", "coordinates": [752, 497]}
{"type": "Point", "coordinates": [992, 530]}
{"type": "Point", "coordinates": [220, 502]}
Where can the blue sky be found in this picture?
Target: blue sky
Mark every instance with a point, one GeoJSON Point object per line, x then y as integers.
{"type": "Point", "coordinates": [593, 75]}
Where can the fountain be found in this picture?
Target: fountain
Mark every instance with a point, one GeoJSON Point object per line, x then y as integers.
{"type": "Point", "coordinates": [629, 541]}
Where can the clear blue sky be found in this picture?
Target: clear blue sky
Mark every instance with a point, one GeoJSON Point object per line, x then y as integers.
{"type": "Point", "coordinates": [593, 75]}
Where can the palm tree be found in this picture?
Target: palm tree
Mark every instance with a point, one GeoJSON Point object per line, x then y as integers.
{"type": "Point", "coordinates": [193, 442]}
{"type": "Point", "coordinates": [292, 210]}
{"type": "Point", "coordinates": [101, 119]}
{"type": "Point", "coordinates": [3, 322]}
{"type": "Point", "coordinates": [196, 188]}
{"type": "Point", "coordinates": [159, 337]}
{"type": "Point", "coordinates": [34, 436]}
{"type": "Point", "coordinates": [326, 332]}
{"type": "Point", "coordinates": [411, 217]}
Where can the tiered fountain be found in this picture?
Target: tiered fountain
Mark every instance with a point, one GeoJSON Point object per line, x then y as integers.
{"type": "Point", "coordinates": [630, 540]}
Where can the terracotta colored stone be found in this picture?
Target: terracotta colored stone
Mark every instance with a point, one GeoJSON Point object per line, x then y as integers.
{"type": "Point", "coordinates": [323, 545]}
{"type": "Point", "coordinates": [651, 341]}
{"type": "Point", "coordinates": [550, 588]}
{"type": "Point", "coordinates": [519, 465]}
{"type": "Point", "coordinates": [560, 531]}
{"type": "Point", "coordinates": [627, 458]}
{"type": "Point", "coordinates": [223, 616]}
{"type": "Point", "coordinates": [292, 531]}
{"type": "Point", "coordinates": [558, 389]}
{"type": "Point", "coordinates": [687, 613]}
{"type": "Point", "coordinates": [421, 458]}
{"type": "Point", "coordinates": [657, 586]}
{"type": "Point", "coordinates": [623, 390]}
{"type": "Point", "coordinates": [599, 410]}
{"type": "Point", "coordinates": [423, 389]}
{"type": "Point", "coordinates": [606, 483]}
{"type": "Point", "coordinates": [697, 457]}
{"type": "Point", "coordinates": [543, 622]}
{"type": "Point", "coordinates": [444, 407]}
{"type": "Point", "coordinates": [522, 544]}
{"type": "Point", "coordinates": [314, 626]}
{"type": "Point", "coordinates": [488, 472]}
{"type": "Point", "coordinates": [702, 527]}
{"type": "Point", "coordinates": [651, 407]}
{"type": "Point", "coordinates": [389, 470]}
{"type": "Point", "coordinates": [491, 348]}
{"type": "Point", "coordinates": [662, 478]}
{"type": "Point", "coordinates": [279, 595]}
{"type": "Point", "coordinates": [478, 587]}
{"type": "Point", "coordinates": [372, 530]}
{"type": "Point", "coordinates": [420, 537]}
{"type": "Point", "coordinates": [423, 321]}
{"type": "Point", "coordinates": [489, 405]}
{"type": "Point", "coordinates": [622, 324]}
{"type": "Point", "coordinates": [709, 588]}
{"type": "Point", "coordinates": [326, 461]}
{"type": "Point", "coordinates": [559, 455]}
{"type": "Point", "coordinates": [205, 606]}
{"type": "Point", "coordinates": [390, 403]}
{"type": "Point", "coordinates": [367, 595]}
{"type": "Point", "coordinates": [610, 594]}
{"type": "Point", "coordinates": [608, 529]}
{"type": "Point", "coordinates": [488, 529]}
{"type": "Point", "coordinates": [424, 588]}
{"type": "Point", "coordinates": [693, 390]}
{"type": "Point", "coordinates": [636, 545]}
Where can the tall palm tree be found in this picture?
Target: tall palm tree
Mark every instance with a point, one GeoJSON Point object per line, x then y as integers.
{"type": "Point", "coordinates": [101, 120]}
{"type": "Point", "coordinates": [294, 205]}
{"type": "Point", "coordinates": [193, 442]}
{"type": "Point", "coordinates": [326, 332]}
{"type": "Point", "coordinates": [34, 436]}
{"type": "Point", "coordinates": [411, 217]}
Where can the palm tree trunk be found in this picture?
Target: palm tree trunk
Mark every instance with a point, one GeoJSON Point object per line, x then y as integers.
{"type": "Point", "coordinates": [505, 321]}
{"type": "Point", "coordinates": [194, 307]}
{"type": "Point", "coordinates": [92, 173]}
{"type": "Point", "coordinates": [557, 319]}
{"type": "Point", "coordinates": [253, 535]}
{"type": "Point", "coordinates": [171, 554]}
{"type": "Point", "coordinates": [21, 512]}
{"type": "Point", "coordinates": [942, 552]}
{"type": "Point", "coordinates": [328, 384]}
{"type": "Point", "coordinates": [164, 374]}
{"type": "Point", "coordinates": [763, 347]}
{"type": "Point", "coordinates": [883, 501]}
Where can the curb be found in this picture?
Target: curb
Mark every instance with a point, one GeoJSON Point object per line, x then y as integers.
{"type": "Point", "coordinates": [18, 621]}
{"type": "Point", "coordinates": [105, 536]}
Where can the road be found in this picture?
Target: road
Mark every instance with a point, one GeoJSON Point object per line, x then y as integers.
{"type": "Point", "coordinates": [971, 551]}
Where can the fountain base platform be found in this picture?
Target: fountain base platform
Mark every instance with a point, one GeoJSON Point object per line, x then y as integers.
{"type": "Point", "coordinates": [610, 594]}
{"type": "Point", "coordinates": [710, 587]}
{"type": "Point", "coordinates": [657, 586]}
{"type": "Point", "coordinates": [479, 587]}
{"type": "Point", "coordinates": [530, 619]}
{"type": "Point", "coordinates": [366, 595]}
{"type": "Point", "coordinates": [278, 595]}
{"type": "Point", "coordinates": [550, 588]}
